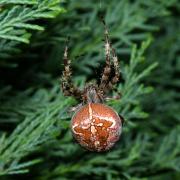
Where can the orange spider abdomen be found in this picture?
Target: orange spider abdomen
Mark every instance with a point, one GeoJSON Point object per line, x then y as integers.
{"type": "Point", "coordinates": [96, 127]}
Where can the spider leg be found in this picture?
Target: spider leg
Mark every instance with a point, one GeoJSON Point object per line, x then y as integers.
{"type": "Point", "coordinates": [107, 68]}
{"type": "Point", "coordinates": [68, 87]}
{"type": "Point", "coordinates": [106, 83]}
{"type": "Point", "coordinates": [116, 76]}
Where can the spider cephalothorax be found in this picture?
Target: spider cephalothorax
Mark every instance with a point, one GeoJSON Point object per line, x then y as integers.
{"type": "Point", "coordinates": [95, 126]}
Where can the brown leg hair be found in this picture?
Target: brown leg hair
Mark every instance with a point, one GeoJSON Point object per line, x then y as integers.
{"type": "Point", "coordinates": [106, 83]}
{"type": "Point", "coordinates": [116, 77]}
{"type": "Point", "coordinates": [67, 86]}
{"type": "Point", "coordinates": [107, 68]}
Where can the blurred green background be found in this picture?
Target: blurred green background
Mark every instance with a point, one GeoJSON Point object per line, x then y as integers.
{"type": "Point", "coordinates": [35, 137]}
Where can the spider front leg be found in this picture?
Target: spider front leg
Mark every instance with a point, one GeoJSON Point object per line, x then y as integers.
{"type": "Point", "coordinates": [107, 83]}
{"type": "Point", "coordinates": [116, 76]}
{"type": "Point", "coordinates": [67, 86]}
{"type": "Point", "coordinates": [107, 68]}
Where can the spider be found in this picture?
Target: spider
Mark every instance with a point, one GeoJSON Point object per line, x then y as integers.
{"type": "Point", "coordinates": [95, 126]}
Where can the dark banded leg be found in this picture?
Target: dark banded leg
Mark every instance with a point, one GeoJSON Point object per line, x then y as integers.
{"type": "Point", "coordinates": [67, 86]}
{"type": "Point", "coordinates": [107, 68]}
{"type": "Point", "coordinates": [107, 83]}
{"type": "Point", "coordinates": [116, 76]}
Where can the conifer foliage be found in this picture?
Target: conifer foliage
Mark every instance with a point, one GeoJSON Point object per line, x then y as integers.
{"type": "Point", "coordinates": [35, 138]}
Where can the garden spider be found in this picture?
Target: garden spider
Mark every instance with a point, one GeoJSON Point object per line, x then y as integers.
{"type": "Point", "coordinates": [94, 125]}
